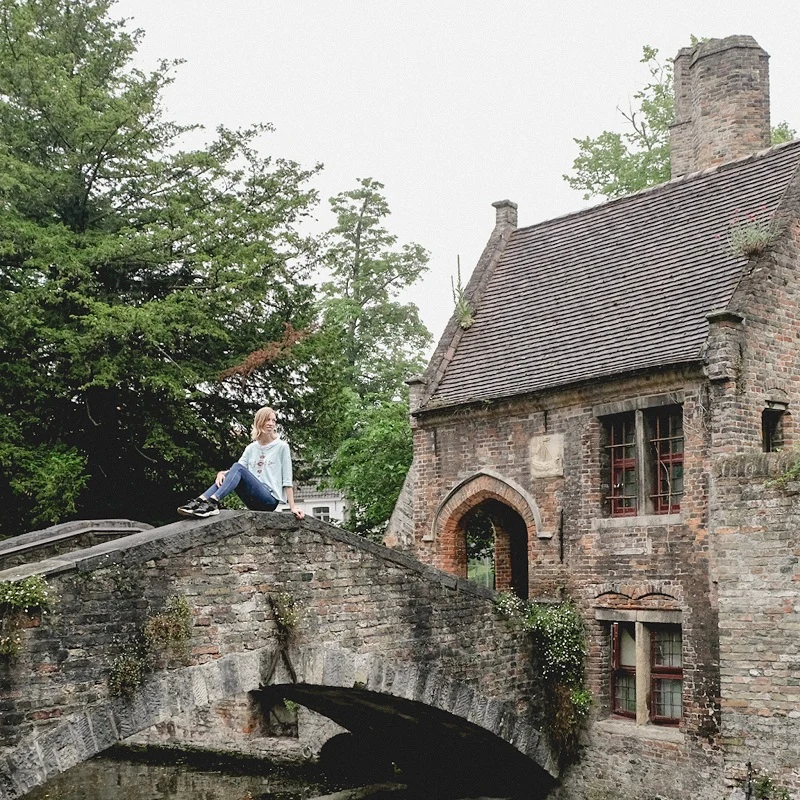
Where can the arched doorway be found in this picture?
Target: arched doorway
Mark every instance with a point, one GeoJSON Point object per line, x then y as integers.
{"type": "Point", "coordinates": [506, 520]}
{"type": "Point", "coordinates": [495, 539]}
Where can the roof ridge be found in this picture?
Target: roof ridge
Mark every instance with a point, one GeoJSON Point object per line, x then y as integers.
{"type": "Point", "coordinates": [690, 176]}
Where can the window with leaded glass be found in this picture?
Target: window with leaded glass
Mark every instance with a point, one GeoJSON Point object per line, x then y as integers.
{"type": "Point", "coordinates": [647, 671]}
{"type": "Point", "coordinates": [666, 674]}
{"type": "Point", "coordinates": [622, 463]}
{"type": "Point", "coordinates": [644, 456]}
{"type": "Point", "coordinates": [623, 676]}
{"type": "Point", "coordinates": [666, 427]}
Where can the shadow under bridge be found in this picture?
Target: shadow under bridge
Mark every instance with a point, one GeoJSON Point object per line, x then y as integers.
{"type": "Point", "coordinates": [443, 753]}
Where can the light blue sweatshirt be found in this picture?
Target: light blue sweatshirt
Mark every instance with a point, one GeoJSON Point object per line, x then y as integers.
{"type": "Point", "coordinates": [271, 464]}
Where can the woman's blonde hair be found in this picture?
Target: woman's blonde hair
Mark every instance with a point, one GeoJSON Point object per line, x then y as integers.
{"type": "Point", "coordinates": [262, 417]}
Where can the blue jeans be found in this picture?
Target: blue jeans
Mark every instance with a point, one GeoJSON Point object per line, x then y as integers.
{"type": "Point", "coordinates": [254, 494]}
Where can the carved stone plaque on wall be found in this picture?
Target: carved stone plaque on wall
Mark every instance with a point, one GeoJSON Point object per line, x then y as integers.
{"type": "Point", "coordinates": [547, 455]}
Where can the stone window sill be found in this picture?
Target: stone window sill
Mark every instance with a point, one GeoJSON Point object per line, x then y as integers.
{"type": "Point", "coordinates": [641, 521]}
{"type": "Point", "coordinates": [627, 727]}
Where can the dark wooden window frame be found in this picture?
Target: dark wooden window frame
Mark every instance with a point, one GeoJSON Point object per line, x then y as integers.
{"type": "Point", "coordinates": [621, 442]}
{"type": "Point", "coordinates": [661, 672]}
{"type": "Point", "coordinates": [618, 669]}
{"type": "Point", "coordinates": [666, 425]}
{"type": "Point", "coordinates": [647, 443]}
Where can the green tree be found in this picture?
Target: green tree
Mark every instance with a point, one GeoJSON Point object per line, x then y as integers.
{"type": "Point", "coordinates": [376, 340]}
{"type": "Point", "coordinates": [615, 164]}
{"type": "Point", "coordinates": [369, 343]}
{"type": "Point", "coordinates": [133, 273]}
{"type": "Point", "coordinates": [371, 463]}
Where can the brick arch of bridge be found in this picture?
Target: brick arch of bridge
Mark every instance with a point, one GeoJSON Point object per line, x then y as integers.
{"type": "Point", "coordinates": [484, 485]}
{"type": "Point", "coordinates": [359, 690]}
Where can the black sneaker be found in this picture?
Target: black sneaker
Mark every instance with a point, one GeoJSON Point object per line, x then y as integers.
{"type": "Point", "coordinates": [205, 508]}
{"type": "Point", "coordinates": [189, 509]}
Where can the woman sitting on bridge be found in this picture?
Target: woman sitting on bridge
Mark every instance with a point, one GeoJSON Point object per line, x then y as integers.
{"type": "Point", "coordinates": [262, 477]}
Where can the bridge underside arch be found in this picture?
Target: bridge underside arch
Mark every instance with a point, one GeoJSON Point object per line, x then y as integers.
{"type": "Point", "coordinates": [431, 747]}
{"type": "Point", "coordinates": [421, 712]}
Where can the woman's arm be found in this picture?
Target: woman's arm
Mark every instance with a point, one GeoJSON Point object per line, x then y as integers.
{"type": "Point", "coordinates": [298, 512]}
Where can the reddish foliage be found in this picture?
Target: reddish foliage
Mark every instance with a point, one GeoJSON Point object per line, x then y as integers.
{"type": "Point", "coordinates": [266, 355]}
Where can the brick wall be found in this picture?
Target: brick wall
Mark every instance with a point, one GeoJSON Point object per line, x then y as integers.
{"type": "Point", "coordinates": [756, 571]}
{"type": "Point", "coordinates": [768, 368]}
{"type": "Point", "coordinates": [721, 103]}
{"type": "Point", "coordinates": [576, 550]}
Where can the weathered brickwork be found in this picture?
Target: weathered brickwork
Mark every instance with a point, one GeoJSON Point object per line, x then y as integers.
{"type": "Point", "coordinates": [575, 549]}
{"type": "Point", "coordinates": [721, 103]}
{"type": "Point", "coordinates": [768, 366]}
{"type": "Point", "coordinates": [371, 619]}
{"type": "Point", "coordinates": [756, 558]}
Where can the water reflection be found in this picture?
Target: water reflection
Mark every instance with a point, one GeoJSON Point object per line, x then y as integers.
{"type": "Point", "coordinates": [167, 775]}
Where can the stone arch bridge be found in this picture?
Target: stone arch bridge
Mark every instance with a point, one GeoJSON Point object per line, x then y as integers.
{"type": "Point", "coordinates": [391, 649]}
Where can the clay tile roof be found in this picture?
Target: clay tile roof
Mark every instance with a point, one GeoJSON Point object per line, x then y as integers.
{"type": "Point", "coordinates": [308, 492]}
{"type": "Point", "coordinates": [619, 287]}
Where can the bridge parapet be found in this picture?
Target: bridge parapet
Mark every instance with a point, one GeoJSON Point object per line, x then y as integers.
{"type": "Point", "coordinates": [372, 620]}
{"type": "Point", "coordinates": [64, 538]}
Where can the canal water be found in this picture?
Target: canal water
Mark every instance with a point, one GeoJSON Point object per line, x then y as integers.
{"type": "Point", "coordinates": [124, 774]}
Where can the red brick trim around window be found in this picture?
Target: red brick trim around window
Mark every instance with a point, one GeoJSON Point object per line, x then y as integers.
{"type": "Point", "coordinates": [472, 491]}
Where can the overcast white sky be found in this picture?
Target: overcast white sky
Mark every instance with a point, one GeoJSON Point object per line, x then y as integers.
{"type": "Point", "coordinates": [452, 104]}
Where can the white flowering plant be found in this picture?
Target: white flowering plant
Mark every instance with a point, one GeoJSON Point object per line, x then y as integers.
{"type": "Point", "coordinates": [559, 639]}
{"type": "Point", "coordinates": [17, 599]}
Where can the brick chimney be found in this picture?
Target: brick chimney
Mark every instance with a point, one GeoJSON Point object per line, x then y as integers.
{"type": "Point", "coordinates": [721, 103]}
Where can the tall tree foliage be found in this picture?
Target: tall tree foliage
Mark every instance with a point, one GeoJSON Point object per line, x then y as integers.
{"type": "Point", "coordinates": [132, 273]}
{"type": "Point", "coordinates": [373, 342]}
{"type": "Point", "coordinates": [376, 339]}
{"type": "Point", "coordinates": [615, 164]}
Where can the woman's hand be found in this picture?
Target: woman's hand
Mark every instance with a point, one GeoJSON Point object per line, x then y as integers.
{"type": "Point", "coordinates": [298, 512]}
{"type": "Point", "coordinates": [221, 477]}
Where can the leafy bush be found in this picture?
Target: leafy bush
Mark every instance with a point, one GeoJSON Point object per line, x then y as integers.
{"type": "Point", "coordinates": [169, 632]}
{"type": "Point", "coordinates": [163, 635]}
{"type": "Point", "coordinates": [287, 613]}
{"type": "Point", "coordinates": [18, 598]}
{"type": "Point", "coordinates": [559, 639]}
{"type": "Point", "coordinates": [28, 594]}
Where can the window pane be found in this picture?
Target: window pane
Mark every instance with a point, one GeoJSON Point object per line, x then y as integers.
{"type": "Point", "coordinates": [666, 647]}
{"type": "Point", "coordinates": [627, 647]}
{"type": "Point", "coordinates": [622, 461]}
{"type": "Point", "coordinates": [625, 693]}
{"type": "Point", "coordinates": [667, 697]}
{"type": "Point", "coordinates": [666, 450]}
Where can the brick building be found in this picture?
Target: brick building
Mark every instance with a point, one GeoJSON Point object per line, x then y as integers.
{"type": "Point", "coordinates": [607, 427]}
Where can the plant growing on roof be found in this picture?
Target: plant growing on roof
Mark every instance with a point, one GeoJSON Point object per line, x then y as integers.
{"type": "Point", "coordinates": [752, 234]}
{"type": "Point", "coordinates": [463, 308]}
